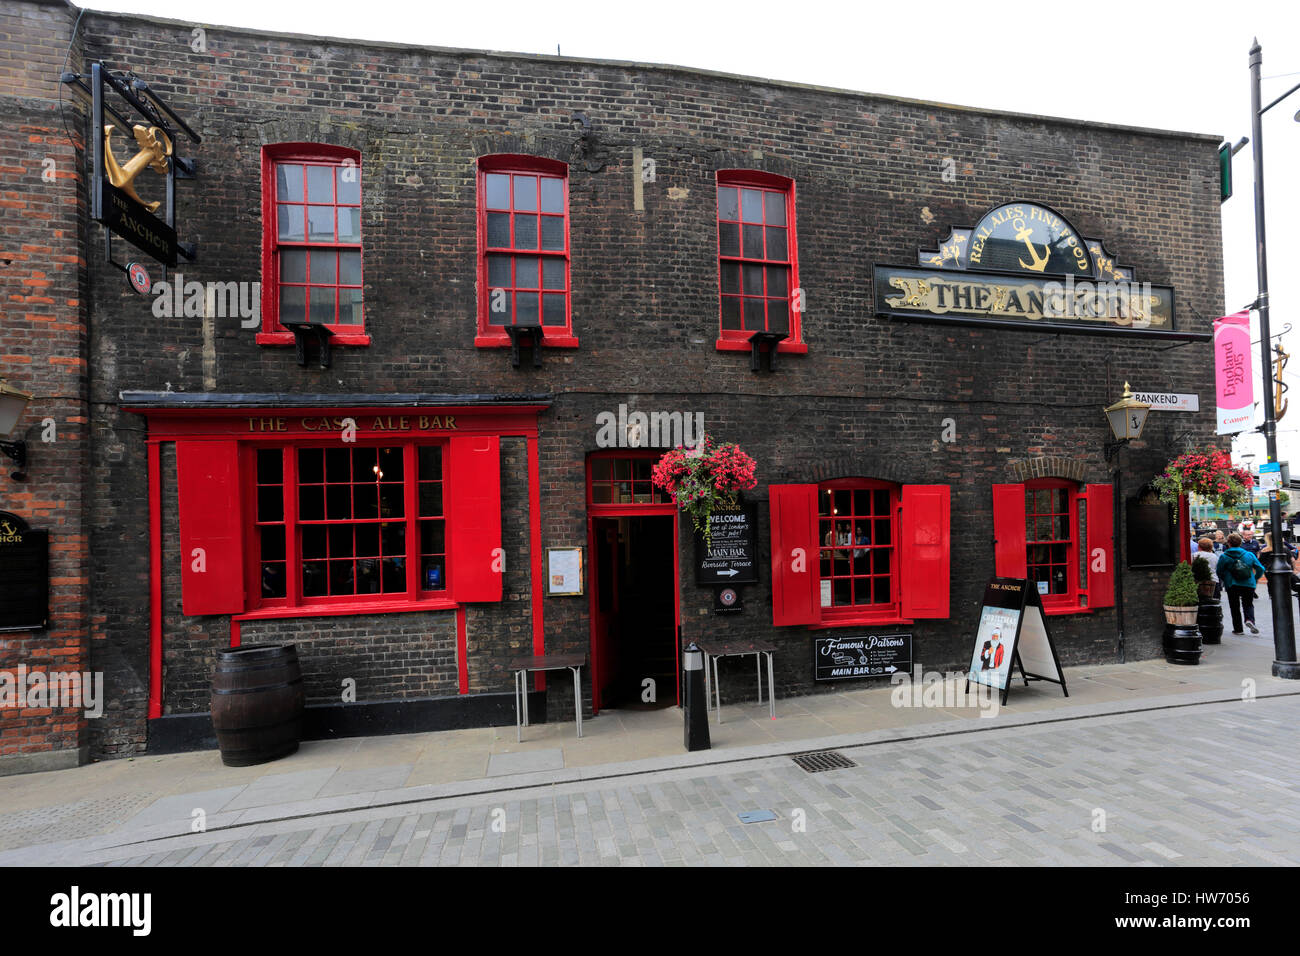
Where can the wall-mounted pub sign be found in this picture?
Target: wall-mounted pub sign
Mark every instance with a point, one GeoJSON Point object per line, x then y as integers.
{"type": "Point", "coordinates": [870, 655]}
{"type": "Point", "coordinates": [24, 575]}
{"type": "Point", "coordinates": [1023, 265]}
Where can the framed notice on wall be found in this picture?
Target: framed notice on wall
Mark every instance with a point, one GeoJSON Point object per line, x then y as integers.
{"type": "Point", "coordinates": [563, 571]}
{"type": "Point", "coordinates": [1013, 633]}
{"type": "Point", "coordinates": [24, 571]}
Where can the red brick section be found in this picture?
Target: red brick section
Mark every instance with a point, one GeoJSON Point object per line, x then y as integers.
{"type": "Point", "coordinates": [43, 336]}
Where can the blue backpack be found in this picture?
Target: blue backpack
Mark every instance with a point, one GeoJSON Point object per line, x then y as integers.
{"type": "Point", "coordinates": [1239, 567]}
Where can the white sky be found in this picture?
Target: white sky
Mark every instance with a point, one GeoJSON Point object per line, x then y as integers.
{"type": "Point", "coordinates": [1176, 64]}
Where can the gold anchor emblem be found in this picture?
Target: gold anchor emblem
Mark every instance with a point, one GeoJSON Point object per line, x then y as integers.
{"type": "Point", "coordinates": [155, 147]}
{"type": "Point", "coordinates": [914, 291]}
{"type": "Point", "coordinates": [1023, 233]}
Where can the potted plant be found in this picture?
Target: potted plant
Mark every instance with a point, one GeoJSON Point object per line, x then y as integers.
{"type": "Point", "coordinates": [1181, 598]}
{"type": "Point", "coordinates": [1182, 640]}
{"type": "Point", "coordinates": [704, 479]}
{"type": "Point", "coordinates": [1204, 576]}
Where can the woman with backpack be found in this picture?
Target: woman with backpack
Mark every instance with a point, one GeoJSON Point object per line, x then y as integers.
{"type": "Point", "coordinates": [1240, 571]}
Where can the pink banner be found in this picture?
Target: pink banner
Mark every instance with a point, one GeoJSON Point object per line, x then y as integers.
{"type": "Point", "coordinates": [1233, 385]}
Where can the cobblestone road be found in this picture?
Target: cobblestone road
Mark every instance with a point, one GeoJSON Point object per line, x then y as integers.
{"type": "Point", "coordinates": [1206, 784]}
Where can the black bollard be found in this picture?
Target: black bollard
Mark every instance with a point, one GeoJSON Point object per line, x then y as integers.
{"type": "Point", "coordinates": [694, 702]}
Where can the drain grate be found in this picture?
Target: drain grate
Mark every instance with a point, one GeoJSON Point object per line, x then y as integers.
{"type": "Point", "coordinates": [821, 760]}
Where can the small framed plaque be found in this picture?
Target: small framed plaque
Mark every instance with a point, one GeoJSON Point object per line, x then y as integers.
{"type": "Point", "coordinates": [563, 571]}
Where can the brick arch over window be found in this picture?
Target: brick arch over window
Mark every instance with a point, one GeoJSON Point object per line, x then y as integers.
{"type": "Point", "coordinates": [1046, 467]}
{"type": "Point", "coordinates": [313, 131]}
{"type": "Point", "coordinates": [557, 148]}
{"type": "Point", "coordinates": [742, 159]}
{"type": "Point", "coordinates": [849, 466]}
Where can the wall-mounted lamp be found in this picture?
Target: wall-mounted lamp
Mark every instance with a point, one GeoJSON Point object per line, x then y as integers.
{"type": "Point", "coordinates": [1127, 418]}
{"type": "Point", "coordinates": [13, 402]}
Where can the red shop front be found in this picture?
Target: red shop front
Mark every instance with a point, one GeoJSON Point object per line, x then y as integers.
{"type": "Point", "coordinates": [367, 529]}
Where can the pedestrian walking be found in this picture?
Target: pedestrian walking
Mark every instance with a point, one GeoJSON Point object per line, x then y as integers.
{"type": "Point", "coordinates": [1205, 549]}
{"type": "Point", "coordinates": [1239, 571]}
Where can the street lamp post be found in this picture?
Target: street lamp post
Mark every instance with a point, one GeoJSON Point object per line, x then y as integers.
{"type": "Point", "coordinates": [1127, 417]}
{"type": "Point", "coordinates": [1279, 572]}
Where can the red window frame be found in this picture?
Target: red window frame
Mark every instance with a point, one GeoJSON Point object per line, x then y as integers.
{"type": "Point", "coordinates": [858, 570]}
{"type": "Point", "coordinates": [1042, 534]}
{"type": "Point", "coordinates": [615, 473]}
{"type": "Point", "coordinates": [317, 155]}
{"type": "Point", "coordinates": [522, 209]}
{"type": "Point", "coordinates": [733, 276]}
{"type": "Point", "coordinates": [294, 562]}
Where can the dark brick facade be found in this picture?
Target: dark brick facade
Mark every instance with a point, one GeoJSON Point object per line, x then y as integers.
{"type": "Point", "coordinates": [869, 399]}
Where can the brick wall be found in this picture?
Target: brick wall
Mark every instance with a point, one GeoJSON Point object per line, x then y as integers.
{"type": "Point", "coordinates": [870, 188]}
{"type": "Point", "coordinates": [43, 338]}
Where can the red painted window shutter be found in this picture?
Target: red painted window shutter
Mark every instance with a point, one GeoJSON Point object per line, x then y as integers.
{"type": "Point", "coordinates": [1009, 558]}
{"type": "Point", "coordinates": [795, 593]}
{"type": "Point", "coordinates": [1101, 538]}
{"type": "Point", "coordinates": [924, 557]}
{"type": "Point", "coordinates": [476, 564]}
{"type": "Point", "coordinates": [207, 480]}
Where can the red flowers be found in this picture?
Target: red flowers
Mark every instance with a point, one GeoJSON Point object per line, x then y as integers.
{"type": "Point", "coordinates": [704, 478]}
{"type": "Point", "coordinates": [1209, 473]}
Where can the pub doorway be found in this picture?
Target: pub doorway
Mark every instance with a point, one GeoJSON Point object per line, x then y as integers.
{"type": "Point", "coordinates": [632, 531]}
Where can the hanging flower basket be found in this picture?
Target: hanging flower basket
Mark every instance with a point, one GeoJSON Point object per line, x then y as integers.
{"type": "Point", "coordinates": [1208, 473]}
{"type": "Point", "coordinates": [704, 479]}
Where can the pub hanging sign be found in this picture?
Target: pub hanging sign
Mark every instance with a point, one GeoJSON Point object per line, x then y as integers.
{"type": "Point", "coordinates": [1023, 265]}
{"type": "Point", "coordinates": [126, 114]}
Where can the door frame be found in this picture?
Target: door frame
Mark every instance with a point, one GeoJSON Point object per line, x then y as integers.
{"type": "Point", "coordinates": [594, 511]}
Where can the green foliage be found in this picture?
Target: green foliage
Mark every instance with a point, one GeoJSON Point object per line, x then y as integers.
{"type": "Point", "coordinates": [1201, 568]}
{"type": "Point", "coordinates": [1182, 587]}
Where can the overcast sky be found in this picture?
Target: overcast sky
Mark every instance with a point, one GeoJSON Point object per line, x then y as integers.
{"type": "Point", "coordinates": [1178, 64]}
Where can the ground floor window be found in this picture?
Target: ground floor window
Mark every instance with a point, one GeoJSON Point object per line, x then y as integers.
{"type": "Point", "coordinates": [1051, 537]}
{"type": "Point", "coordinates": [1058, 534]}
{"type": "Point", "coordinates": [858, 551]}
{"type": "Point", "coordinates": [361, 520]}
{"type": "Point", "coordinates": [276, 525]}
{"type": "Point", "coordinates": [855, 521]}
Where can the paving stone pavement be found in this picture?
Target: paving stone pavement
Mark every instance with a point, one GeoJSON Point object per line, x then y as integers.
{"type": "Point", "coordinates": [1206, 784]}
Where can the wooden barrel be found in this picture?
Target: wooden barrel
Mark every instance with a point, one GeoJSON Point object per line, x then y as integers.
{"type": "Point", "coordinates": [1209, 619]}
{"type": "Point", "coordinates": [257, 703]}
{"type": "Point", "coordinates": [1182, 645]}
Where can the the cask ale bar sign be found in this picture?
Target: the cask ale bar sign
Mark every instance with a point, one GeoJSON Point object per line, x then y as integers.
{"type": "Point", "coordinates": [733, 546]}
{"type": "Point", "coordinates": [24, 575]}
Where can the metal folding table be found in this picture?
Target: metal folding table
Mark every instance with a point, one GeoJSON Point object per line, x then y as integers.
{"type": "Point", "coordinates": [545, 662]}
{"type": "Point", "coordinates": [715, 650]}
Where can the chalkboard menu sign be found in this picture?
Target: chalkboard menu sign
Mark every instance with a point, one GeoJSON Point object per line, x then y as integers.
{"type": "Point", "coordinates": [24, 575]}
{"type": "Point", "coordinates": [733, 548]}
{"type": "Point", "coordinates": [873, 655]}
